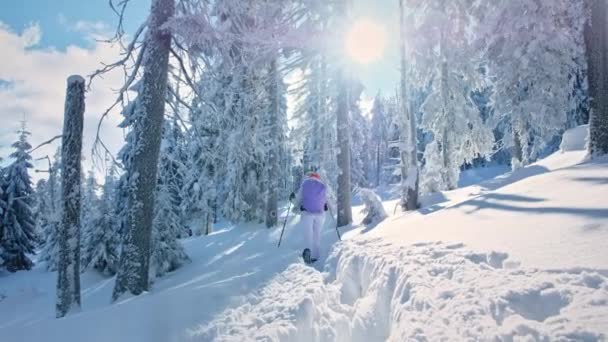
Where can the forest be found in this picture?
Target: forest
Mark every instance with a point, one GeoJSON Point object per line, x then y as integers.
{"type": "Point", "coordinates": [227, 105]}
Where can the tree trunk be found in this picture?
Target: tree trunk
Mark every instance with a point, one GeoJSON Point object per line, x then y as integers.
{"type": "Point", "coordinates": [378, 164]}
{"type": "Point", "coordinates": [448, 115]}
{"type": "Point", "coordinates": [345, 214]}
{"type": "Point", "coordinates": [135, 258]}
{"type": "Point", "coordinates": [68, 277]}
{"type": "Point", "coordinates": [409, 195]}
{"type": "Point", "coordinates": [273, 158]}
{"type": "Point", "coordinates": [518, 152]}
{"type": "Point", "coordinates": [597, 59]}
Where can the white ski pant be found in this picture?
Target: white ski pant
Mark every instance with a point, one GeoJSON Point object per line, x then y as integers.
{"type": "Point", "coordinates": [312, 223]}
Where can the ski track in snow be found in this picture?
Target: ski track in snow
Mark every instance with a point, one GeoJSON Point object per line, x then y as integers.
{"type": "Point", "coordinates": [371, 290]}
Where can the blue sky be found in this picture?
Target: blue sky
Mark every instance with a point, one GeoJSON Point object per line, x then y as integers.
{"type": "Point", "coordinates": [42, 42]}
{"type": "Point", "coordinates": [58, 18]}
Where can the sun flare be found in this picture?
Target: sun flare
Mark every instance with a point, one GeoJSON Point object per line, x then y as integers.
{"type": "Point", "coordinates": [365, 41]}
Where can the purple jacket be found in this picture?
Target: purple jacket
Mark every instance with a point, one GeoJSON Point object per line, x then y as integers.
{"type": "Point", "coordinates": [313, 195]}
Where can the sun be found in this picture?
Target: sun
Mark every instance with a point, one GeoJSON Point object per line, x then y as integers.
{"type": "Point", "coordinates": [365, 41]}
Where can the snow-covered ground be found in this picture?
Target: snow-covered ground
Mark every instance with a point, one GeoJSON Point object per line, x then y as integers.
{"type": "Point", "coordinates": [523, 256]}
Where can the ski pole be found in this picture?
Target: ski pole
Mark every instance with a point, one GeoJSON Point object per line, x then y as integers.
{"type": "Point", "coordinates": [338, 231]}
{"type": "Point", "coordinates": [284, 224]}
{"type": "Point", "coordinates": [331, 214]}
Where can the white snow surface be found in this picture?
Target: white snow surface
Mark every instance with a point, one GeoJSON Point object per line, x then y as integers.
{"type": "Point", "coordinates": [521, 257]}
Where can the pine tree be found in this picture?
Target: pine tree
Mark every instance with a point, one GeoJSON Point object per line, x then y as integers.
{"type": "Point", "coordinates": [360, 134]}
{"type": "Point", "coordinates": [90, 217]}
{"type": "Point", "coordinates": [50, 221]}
{"type": "Point", "coordinates": [18, 233]}
{"type": "Point", "coordinates": [102, 244]}
{"type": "Point", "coordinates": [533, 62]}
{"type": "Point", "coordinates": [378, 138]}
{"type": "Point", "coordinates": [167, 252]}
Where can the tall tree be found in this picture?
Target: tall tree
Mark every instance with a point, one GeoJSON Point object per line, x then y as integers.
{"type": "Point", "coordinates": [17, 236]}
{"type": "Point", "coordinates": [345, 214]}
{"type": "Point", "coordinates": [68, 277]}
{"type": "Point", "coordinates": [167, 252]}
{"type": "Point", "coordinates": [379, 138]}
{"type": "Point", "coordinates": [103, 241]}
{"type": "Point", "coordinates": [344, 200]}
{"type": "Point", "coordinates": [50, 220]}
{"type": "Point", "coordinates": [133, 273]}
{"type": "Point", "coordinates": [409, 154]}
{"type": "Point", "coordinates": [274, 149]}
{"type": "Point", "coordinates": [534, 52]}
{"type": "Point", "coordinates": [596, 41]}
{"type": "Point", "coordinates": [90, 217]}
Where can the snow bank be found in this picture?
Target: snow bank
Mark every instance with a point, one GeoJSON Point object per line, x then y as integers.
{"type": "Point", "coordinates": [374, 209]}
{"type": "Point", "coordinates": [575, 139]}
{"type": "Point", "coordinates": [374, 291]}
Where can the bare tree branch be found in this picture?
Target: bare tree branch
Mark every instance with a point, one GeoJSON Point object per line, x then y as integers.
{"type": "Point", "coordinates": [127, 54]}
{"type": "Point", "coordinates": [119, 99]}
{"type": "Point", "coordinates": [46, 143]}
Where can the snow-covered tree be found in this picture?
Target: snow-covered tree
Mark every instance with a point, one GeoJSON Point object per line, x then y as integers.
{"type": "Point", "coordinates": [68, 265]}
{"type": "Point", "coordinates": [167, 252]}
{"type": "Point", "coordinates": [18, 223]}
{"type": "Point", "coordinates": [534, 54]}
{"type": "Point", "coordinates": [445, 59]}
{"type": "Point", "coordinates": [102, 243]}
{"type": "Point", "coordinates": [360, 135]}
{"type": "Point", "coordinates": [49, 221]}
{"type": "Point", "coordinates": [378, 138]}
{"type": "Point", "coordinates": [90, 217]}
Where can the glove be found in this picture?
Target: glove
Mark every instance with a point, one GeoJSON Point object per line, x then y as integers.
{"type": "Point", "coordinates": [325, 207]}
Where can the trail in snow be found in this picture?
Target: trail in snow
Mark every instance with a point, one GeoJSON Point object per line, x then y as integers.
{"type": "Point", "coordinates": [228, 264]}
{"type": "Point", "coordinates": [376, 291]}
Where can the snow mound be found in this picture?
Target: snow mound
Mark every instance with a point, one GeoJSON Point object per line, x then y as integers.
{"type": "Point", "coordinates": [374, 291]}
{"type": "Point", "coordinates": [575, 139]}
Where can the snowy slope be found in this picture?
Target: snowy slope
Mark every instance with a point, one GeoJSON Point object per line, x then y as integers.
{"type": "Point", "coordinates": [523, 256]}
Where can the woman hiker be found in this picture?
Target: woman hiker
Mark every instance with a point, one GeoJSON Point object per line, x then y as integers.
{"type": "Point", "coordinates": [312, 202]}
